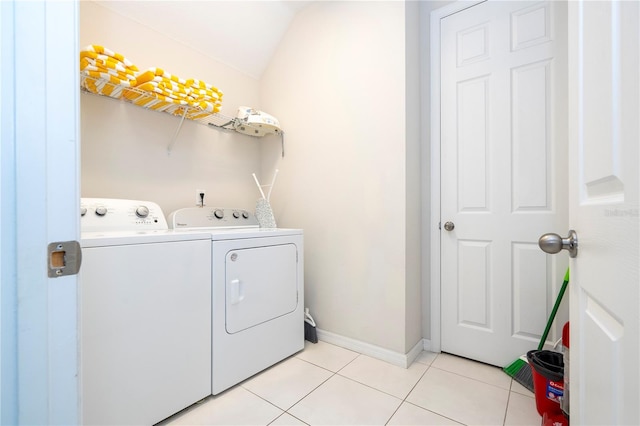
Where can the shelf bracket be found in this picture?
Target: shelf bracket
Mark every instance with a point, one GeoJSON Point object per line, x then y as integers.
{"type": "Point", "coordinates": [175, 135]}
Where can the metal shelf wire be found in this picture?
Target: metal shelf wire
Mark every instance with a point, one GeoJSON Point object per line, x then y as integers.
{"type": "Point", "coordinates": [132, 95]}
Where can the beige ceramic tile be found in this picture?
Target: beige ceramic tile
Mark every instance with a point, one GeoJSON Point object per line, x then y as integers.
{"type": "Point", "coordinates": [341, 401]}
{"type": "Point", "coordinates": [521, 411]}
{"type": "Point", "coordinates": [383, 376]}
{"type": "Point", "coordinates": [426, 357]}
{"type": "Point", "coordinates": [287, 382]}
{"type": "Point", "coordinates": [409, 414]}
{"type": "Point", "coordinates": [326, 355]}
{"type": "Point", "coordinates": [460, 398]}
{"type": "Point", "coordinates": [236, 406]}
{"type": "Point", "coordinates": [517, 387]}
{"type": "Point", "coordinates": [287, 420]}
{"type": "Point", "coordinates": [472, 369]}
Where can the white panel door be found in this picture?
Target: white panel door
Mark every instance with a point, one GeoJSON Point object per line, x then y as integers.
{"type": "Point", "coordinates": [503, 177]}
{"type": "Point", "coordinates": [604, 210]}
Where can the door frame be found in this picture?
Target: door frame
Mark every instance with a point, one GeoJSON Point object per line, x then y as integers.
{"type": "Point", "coordinates": [39, 204]}
{"type": "Point", "coordinates": [434, 223]}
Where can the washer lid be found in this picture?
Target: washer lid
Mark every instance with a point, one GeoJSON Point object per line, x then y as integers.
{"type": "Point", "coordinates": [103, 239]}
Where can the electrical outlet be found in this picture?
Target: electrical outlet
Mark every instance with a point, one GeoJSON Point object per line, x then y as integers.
{"type": "Point", "coordinates": [201, 199]}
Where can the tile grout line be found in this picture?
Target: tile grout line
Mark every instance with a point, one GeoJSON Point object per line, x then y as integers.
{"type": "Point", "coordinates": [408, 393]}
{"type": "Point", "coordinates": [333, 373]}
{"type": "Point", "coordinates": [506, 408]}
{"type": "Point", "coordinates": [472, 378]}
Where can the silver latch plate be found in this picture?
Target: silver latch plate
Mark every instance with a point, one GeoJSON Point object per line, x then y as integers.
{"type": "Point", "coordinates": [63, 258]}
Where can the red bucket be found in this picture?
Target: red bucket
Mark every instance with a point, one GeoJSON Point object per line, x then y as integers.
{"type": "Point", "coordinates": [548, 380]}
{"type": "Point", "coordinates": [554, 419]}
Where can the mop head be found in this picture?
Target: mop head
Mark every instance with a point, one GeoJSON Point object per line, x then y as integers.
{"type": "Point", "coordinates": [310, 332]}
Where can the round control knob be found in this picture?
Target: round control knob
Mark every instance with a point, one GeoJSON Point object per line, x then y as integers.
{"type": "Point", "coordinates": [142, 211]}
{"type": "Point", "coordinates": [101, 210]}
{"type": "Point", "coordinates": [236, 215]}
{"type": "Point", "coordinates": [219, 214]}
{"type": "Point", "coordinates": [83, 211]}
{"type": "Point", "coordinates": [245, 215]}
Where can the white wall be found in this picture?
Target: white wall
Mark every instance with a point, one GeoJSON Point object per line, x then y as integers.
{"type": "Point", "coordinates": [338, 84]}
{"type": "Point", "coordinates": [124, 147]}
{"type": "Point", "coordinates": [413, 178]}
{"type": "Point", "coordinates": [345, 87]}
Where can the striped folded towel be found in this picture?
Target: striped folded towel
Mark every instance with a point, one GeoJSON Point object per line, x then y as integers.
{"type": "Point", "coordinates": [105, 72]}
{"type": "Point", "coordinates": [205, 96]}
{"type": "Point", "coordinates": [159, 87]}
{"type": "Point", "coordinates": [158, 90]}
{"type": "Point", "coordinates": [93, 50]}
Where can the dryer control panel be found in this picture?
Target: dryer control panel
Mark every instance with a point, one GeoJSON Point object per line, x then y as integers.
{"type": "Point", "coordinates": [211, 218]}
{"type": "Point", "coordinates": [114, 214]}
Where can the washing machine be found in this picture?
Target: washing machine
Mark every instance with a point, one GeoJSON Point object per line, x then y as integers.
{"type": "Point", "coordinates": [257, 291]}
{"type": "Point", "coordinates": [145, 314]}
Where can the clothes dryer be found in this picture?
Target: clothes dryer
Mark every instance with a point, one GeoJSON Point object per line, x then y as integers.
{"type": "Point", "coordinates": [145, 314]}
{"type": "Point", "coordinates": [257, 291]}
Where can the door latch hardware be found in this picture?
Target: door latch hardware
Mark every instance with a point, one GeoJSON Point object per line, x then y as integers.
{"type": "Point", "coordinates": [554, 243]}
{"type": "Point", "coordinates": [64, 258]}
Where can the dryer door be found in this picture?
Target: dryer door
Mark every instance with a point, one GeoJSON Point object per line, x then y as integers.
{"type": "Point", "coordinates": [261, 284]}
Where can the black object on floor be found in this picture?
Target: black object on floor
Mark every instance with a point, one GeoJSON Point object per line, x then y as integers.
{"type": "Point", "coordinates": [310, 332]}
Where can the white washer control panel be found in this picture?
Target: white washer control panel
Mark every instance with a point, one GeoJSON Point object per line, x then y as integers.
{"type": "Point", "coordinates": [217, 217]}
{"type": "Point", "coordinates": [113, 214]}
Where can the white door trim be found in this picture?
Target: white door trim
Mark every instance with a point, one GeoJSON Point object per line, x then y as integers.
{"type": "Point", "coordinates": [436, 16]}
{"type": "Point", "coordinates": [40, 202]}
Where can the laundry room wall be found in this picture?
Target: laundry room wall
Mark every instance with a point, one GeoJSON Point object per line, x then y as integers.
{"type": "Point", "coordinates": [124, 147]}
{"type": "Point", "coordinates": [351, 175]}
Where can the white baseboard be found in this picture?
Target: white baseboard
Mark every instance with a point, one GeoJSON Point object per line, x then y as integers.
{"type": "Point", "coordinates": [427, 345]}
{"type": "Point", "coordinates": [395, 358]}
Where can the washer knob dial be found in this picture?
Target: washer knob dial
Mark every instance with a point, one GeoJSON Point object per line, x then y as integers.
{"type": "Point", "coordinates": [245, 215]}
{"type": "Point", "coordinates": [236, 215]}
{"type": "Point", "coordinates": [101, 210]}
{"type": "Point", "coordinates": [142, 211]}
{"type": "Point", "coordinates": [219, 214]}
{"type": "Point", "coordinates": [83, 211]}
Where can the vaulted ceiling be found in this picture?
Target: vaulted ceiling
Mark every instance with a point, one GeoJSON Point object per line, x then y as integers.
{"type": "Point", "coordinates": [243, 34]}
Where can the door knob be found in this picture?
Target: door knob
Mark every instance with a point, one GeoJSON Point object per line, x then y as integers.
{"type": "Point", "coordinates": [554, 243]}
{"type": "Point", "coordinates": [448, 226]}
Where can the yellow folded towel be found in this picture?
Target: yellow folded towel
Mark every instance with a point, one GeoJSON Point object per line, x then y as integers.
{"type": "Point", "coordinates": [152, 74]}
{"type": "Point", "coordinates": [164, 92]}
{"type": "Point", "coordinates": [102, 86]}
{"type": "Point", "coordinates": [109, 73]}
{"type": "Point", "coordinates": [93, 50]}
{"type": "Point", "coordinates": [106, 72]}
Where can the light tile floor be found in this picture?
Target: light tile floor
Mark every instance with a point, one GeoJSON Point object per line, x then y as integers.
{"type": "Point", "coordinates": [329, 385]}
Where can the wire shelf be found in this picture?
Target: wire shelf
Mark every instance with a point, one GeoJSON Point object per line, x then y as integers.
{"type": "Point", "coordinates": [148, 100]}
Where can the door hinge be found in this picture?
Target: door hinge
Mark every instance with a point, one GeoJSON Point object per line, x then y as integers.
{"type": "Point", "coordinates": [63, 258]}
{"type": "Point", "coordinates": [440, 225]}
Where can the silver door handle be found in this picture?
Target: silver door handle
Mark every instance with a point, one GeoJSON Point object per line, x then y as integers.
{"type": "Point", "coordinates": [554, 243]}
{"type": "Point", "coordinates": [448, 226]}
